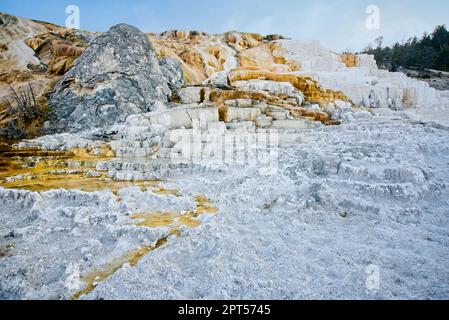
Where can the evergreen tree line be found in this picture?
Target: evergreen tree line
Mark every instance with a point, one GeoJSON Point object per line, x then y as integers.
{"type": "Point", "coordinates": [431, 51]}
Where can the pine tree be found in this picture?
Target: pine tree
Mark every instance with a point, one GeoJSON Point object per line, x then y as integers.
{"type": "Point", "coordinates": [431, 51]}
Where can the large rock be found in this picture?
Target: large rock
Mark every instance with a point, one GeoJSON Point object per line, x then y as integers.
{"type": "Point", "coordinates": [118, 75]}
{"type": "Point", "coordinates": [171, 69]}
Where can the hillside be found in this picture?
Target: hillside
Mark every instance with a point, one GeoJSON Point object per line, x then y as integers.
{"type": "Point", "coordinates": [40, 54]}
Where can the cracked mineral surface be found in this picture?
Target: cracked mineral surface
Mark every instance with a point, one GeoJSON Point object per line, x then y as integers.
{"type": "Point", "coordinates": [185, 165]}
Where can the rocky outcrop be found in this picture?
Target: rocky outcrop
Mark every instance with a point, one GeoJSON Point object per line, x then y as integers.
{"type": "Point", "coordinates": [125, 72]}
{"type": "Point", "coordinates": [358, 77]}
{"type": "Point", "coordinates": [202, 55]}
{"type": "Point", "coordinates": [118, 75]}
{"type": "Point", "coordinates": [16, 55]}
{"type": "Point", "coordinates": [58, 50]}
{"type": "Point", "coordinates": [171, 69]}
{"type": "Point", "coordinates": [36, 54]}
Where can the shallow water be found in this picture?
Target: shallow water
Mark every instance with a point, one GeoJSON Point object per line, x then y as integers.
{"type": "Point", "coordinates": [40, 170]}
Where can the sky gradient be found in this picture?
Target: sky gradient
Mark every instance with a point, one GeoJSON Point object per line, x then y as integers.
{"type": "Point", "coordinates": [338, 24]}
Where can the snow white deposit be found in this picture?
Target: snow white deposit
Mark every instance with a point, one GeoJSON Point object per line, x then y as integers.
{"type": "Point", "coordinates": [186, 165]}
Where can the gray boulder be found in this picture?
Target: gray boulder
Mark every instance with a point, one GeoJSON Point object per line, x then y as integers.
{"type": "Point", "coordinates": [118, 75]}
{"type": "Point", "coordinates": [171, 69]}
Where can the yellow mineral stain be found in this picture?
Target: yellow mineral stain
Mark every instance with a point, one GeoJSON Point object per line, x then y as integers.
{"type": "Point", "coordinates": [313, 92]}
{"type": "Point", "coordinates": [102, 151]}
{"type": "Point", "coordinates": [220, 96]}
{"type": "Point", "coordinates": [132, 258]}
{"type": "Point", "coordinates": [41, 170]}
{"type": "Point", "coordinates": [155, 219]}
{"type": "Point", "coordinates": [204, 205]}
{"type": "Point", "coordinates": [165, 192]}
{"type": "Point", "coordinates": [174, 220]}
{"type": "Point", "coordinates": [350, 60]}
{"type": "Point", "coordinates": [188, 221]}
{"type": "Point", "coordinates": [267, 56]}
{"type": "Point", "coordinates": [46, 170]}
{"type": "Point", "coordinates": [80, 182]}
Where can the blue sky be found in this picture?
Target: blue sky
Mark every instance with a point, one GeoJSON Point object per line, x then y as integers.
{"type": "Point", "coordinates": [338, 24]}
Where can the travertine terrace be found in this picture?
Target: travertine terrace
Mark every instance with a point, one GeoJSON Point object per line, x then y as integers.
{"type": "Point", "coordinates": [187, 165]}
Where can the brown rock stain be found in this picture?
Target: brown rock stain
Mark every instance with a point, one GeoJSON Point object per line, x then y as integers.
{"type": "Point", "coordinates": [312, 91]}
{"type": "Point", "coordinates": [71, 170]}
{"type": "Point", "coordinates": [350, 60]}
